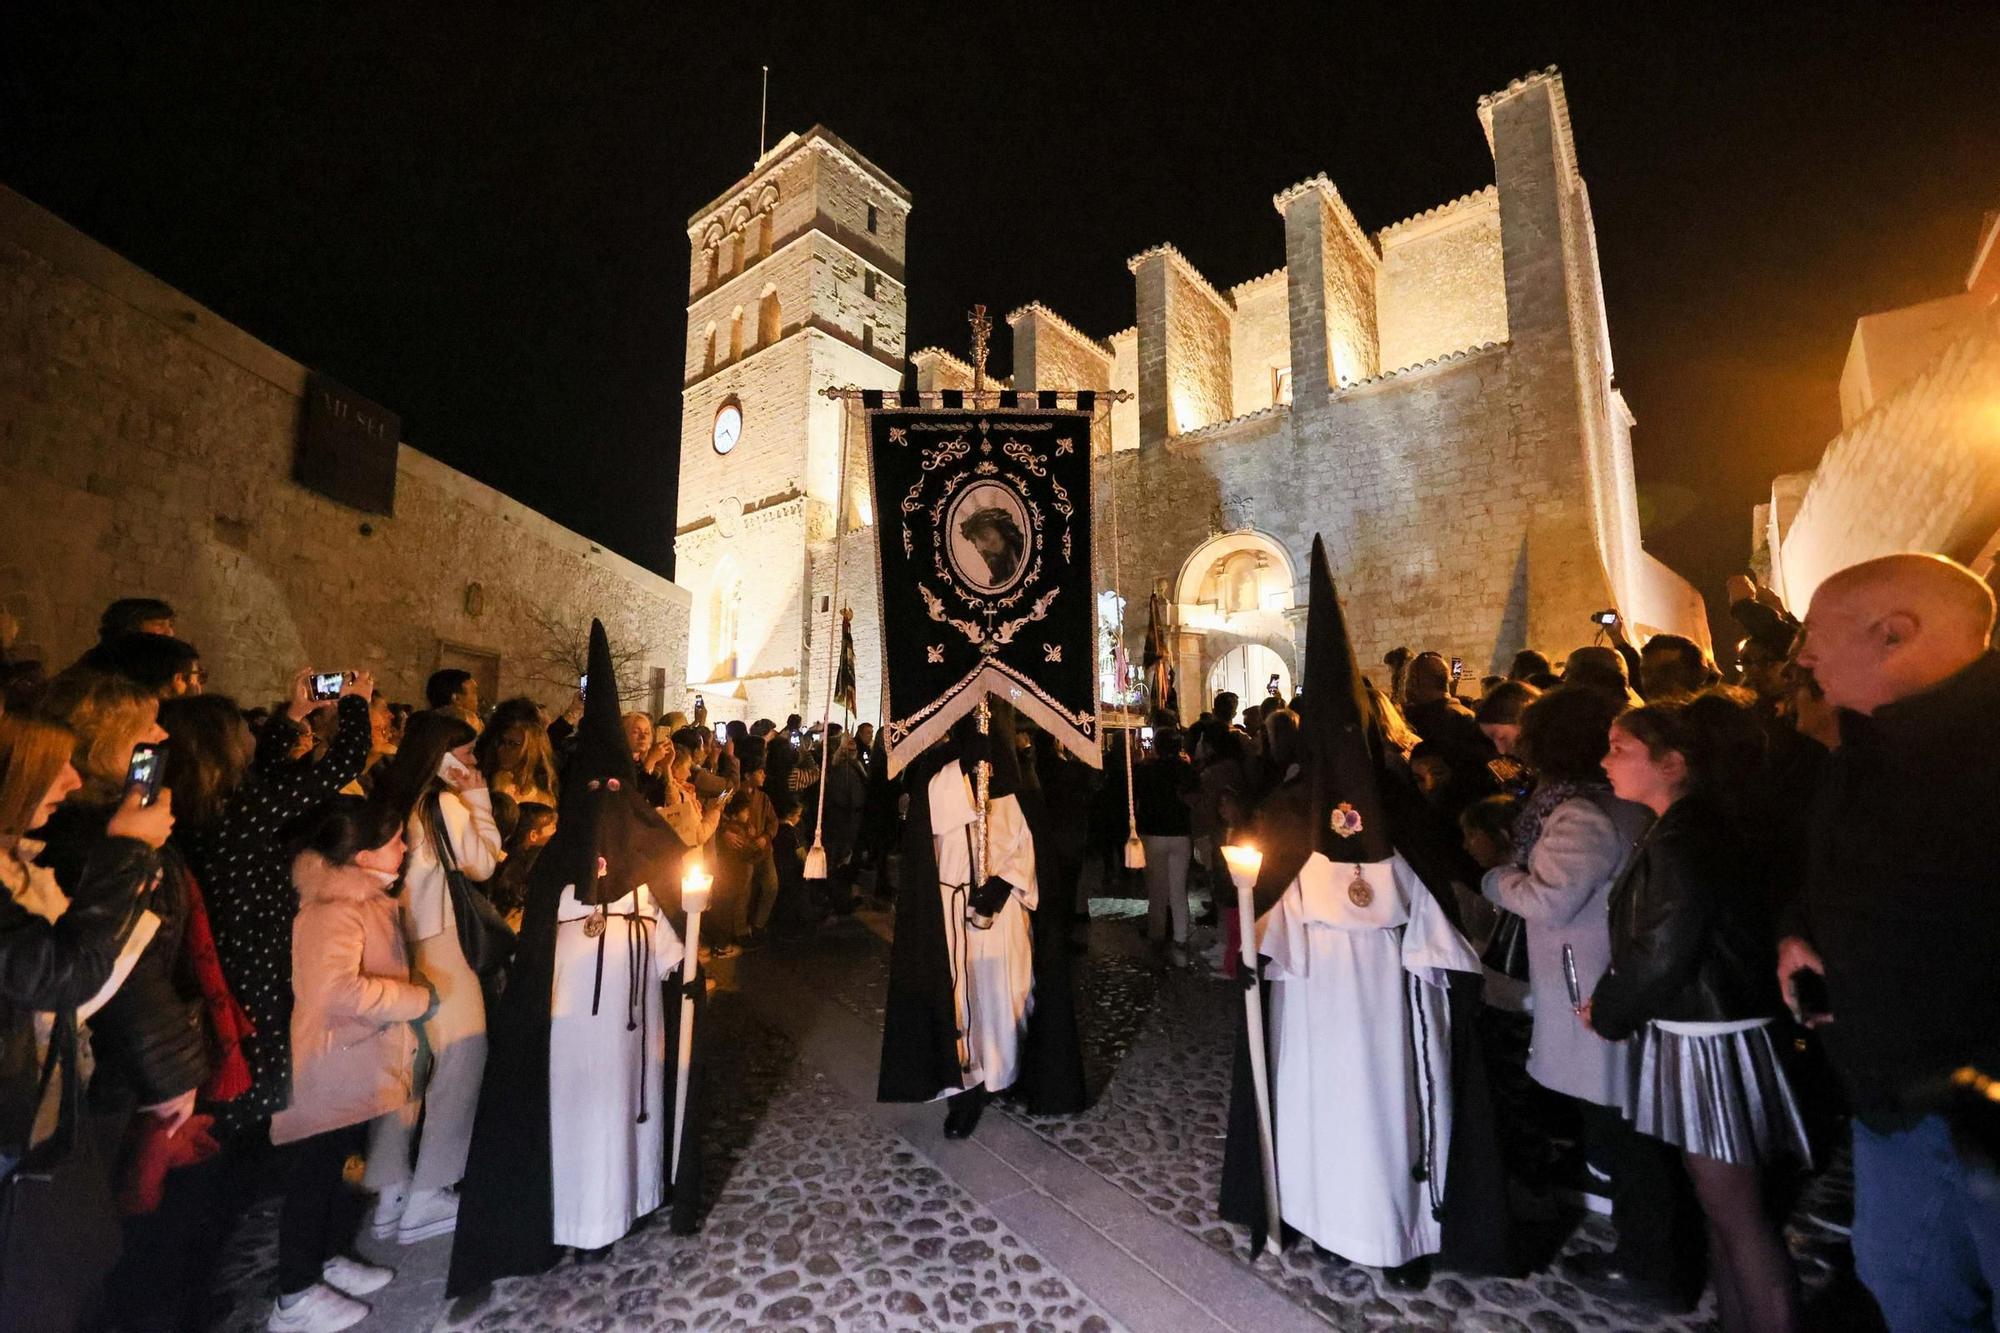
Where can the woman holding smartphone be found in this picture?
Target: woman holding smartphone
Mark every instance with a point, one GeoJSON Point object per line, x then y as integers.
{"type": "Point", "coordinates": [1693, 977]}
{"type": "Point", "coordinates": [434, 782]}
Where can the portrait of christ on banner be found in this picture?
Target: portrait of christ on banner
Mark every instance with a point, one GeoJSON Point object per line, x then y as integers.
{"type": "Point", "coordinates": [986, 534]}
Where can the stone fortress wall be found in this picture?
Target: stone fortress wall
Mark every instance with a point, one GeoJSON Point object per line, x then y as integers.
{"type": "Point", "coordinates": [1435, 398]}
{"type": "Point", "coordinates": [1916, 466]}
{"type": "Point", "coordinates": [146, 449]}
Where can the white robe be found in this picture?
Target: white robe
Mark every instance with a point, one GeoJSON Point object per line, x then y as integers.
{"type": "Point", "coordinates": [605, 1162]}
{"type": "Point", "coordinates": [992, 970]}
{"type": "Point", "coordinates": [1353, 1106]}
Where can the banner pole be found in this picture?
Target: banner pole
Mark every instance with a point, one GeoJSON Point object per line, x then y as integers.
{"type": "Point", "coordinates": [816, 854]}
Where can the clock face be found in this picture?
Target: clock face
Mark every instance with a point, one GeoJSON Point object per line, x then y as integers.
{"type": "Point", "coordinates": [728, 427]}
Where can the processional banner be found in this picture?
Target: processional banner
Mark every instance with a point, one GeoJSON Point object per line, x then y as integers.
{"type": "Point", "coordinates": [985, 565]}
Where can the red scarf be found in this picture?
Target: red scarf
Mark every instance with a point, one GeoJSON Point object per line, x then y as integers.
{"type": "Point", "coordinates": [228, 1024]}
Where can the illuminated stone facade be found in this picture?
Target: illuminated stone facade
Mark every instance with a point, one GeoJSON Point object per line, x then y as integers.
{"type": "Point", "coordinates": [1435, 398]}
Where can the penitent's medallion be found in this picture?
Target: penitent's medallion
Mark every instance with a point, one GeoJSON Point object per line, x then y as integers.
{"type": "Point", "coordinates": [1358, 890]}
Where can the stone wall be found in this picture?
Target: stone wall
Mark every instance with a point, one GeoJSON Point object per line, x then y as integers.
{"type": "Point", "coordinates": [146, 449]}
{"type": "Point", "coordinates": [1443, 287]}
{"type": "Point", "coordinates": [1184, 336]}
{"type": "Point", "coordinates": [1260, 342]}
{"type": "Point", "coordinates": [1921, 472]}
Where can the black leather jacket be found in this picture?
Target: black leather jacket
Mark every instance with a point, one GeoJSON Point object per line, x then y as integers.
{"type": "Point", "coordinates": [1691, 933]}
{"type": "Point", "coordinates": [53, 966]}
{"type": "Point", "coordinates": [150, 1039]}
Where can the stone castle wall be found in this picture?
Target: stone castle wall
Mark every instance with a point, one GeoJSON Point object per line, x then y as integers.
{"type": "Point", "coordinates": [146, 449]}
{"type": "Point", "coordinates": [1443, 287]}
{"type": "Point", "coordinates": [1919, 472]}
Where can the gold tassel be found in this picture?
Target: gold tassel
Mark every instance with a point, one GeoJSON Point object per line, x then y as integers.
{"type": "Point", "coordinates": [816, 862]}
{"type": "Point", "coordinates": [1135, 853]}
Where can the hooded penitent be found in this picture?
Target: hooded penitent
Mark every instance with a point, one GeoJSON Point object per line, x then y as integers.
{"type": "Point", "coordinates": [1355, 802]}
{"type": "Point", "coordinates": [920, 1029]}
{"type": "Point", "coordinates": [608, 841]}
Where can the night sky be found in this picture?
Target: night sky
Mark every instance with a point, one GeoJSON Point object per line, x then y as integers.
{"type": "Point", "coordinates": [476, 216]}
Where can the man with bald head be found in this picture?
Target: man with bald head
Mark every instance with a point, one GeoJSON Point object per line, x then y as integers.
{"type": "Point", "coordinates": [1901, 915]}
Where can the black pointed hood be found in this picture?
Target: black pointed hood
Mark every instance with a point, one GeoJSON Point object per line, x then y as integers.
{"type": "Point", "coordinates": [1340, 740]}
{"type": "Point", "coordinates": [608, 840]}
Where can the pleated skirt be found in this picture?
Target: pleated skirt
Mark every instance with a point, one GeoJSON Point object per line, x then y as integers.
{"type": "Point", "coordinates": [1722, 1095]}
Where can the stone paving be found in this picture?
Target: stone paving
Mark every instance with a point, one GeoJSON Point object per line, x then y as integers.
{"type": "Point", "coordinates": [819, 1221]}
{"type": "Point", "coordinates": [1158, 1048]}
{"type": "Point", "coordinates": [822, 1219]}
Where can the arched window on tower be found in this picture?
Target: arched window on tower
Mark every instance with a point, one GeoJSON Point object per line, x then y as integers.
{"type": "Point", "coordinates": [725, 625]}
{"type": "Point", "coordinates": [736, 333]}
{"type": "Point", "coordinates": [770, 318]}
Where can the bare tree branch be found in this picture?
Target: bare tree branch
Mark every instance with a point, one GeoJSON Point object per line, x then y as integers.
{"type": "Point", "coordinates": [561, 654]}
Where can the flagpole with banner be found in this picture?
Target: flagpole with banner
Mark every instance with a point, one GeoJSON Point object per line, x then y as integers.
{"type": "Point", "coordinates": [984, 536]}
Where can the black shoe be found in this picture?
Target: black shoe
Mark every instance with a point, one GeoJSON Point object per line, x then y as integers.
{"type": "Point", "coordinates": [1600, 1273]}
{"type": "Point", "coordinates": [1412, 1276]}
{"type": "Point", "coordinates": [596, 1256]}
{"type": "Point", "coordinates": [962, 1116]}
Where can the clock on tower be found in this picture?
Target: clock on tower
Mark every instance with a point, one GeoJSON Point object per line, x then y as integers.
{"type": "Point", "coordinates": [728, 425]}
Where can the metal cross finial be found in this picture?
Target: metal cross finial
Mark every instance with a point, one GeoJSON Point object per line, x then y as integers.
{"type": "Point", "coordinates": [982, 328]}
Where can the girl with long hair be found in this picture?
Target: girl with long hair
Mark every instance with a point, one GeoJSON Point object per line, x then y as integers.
{"type": "Point", "coordinates": [434, 789]}
{"type": "Point", "coordinates": [238, 795]}
{"type": "Point", "coordinates": [1693, 977]}
{"type": "Point", "coordinates": [60, 945]}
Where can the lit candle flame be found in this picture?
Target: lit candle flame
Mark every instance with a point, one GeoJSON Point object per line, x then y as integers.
{"type": "Point", "coordinates": [695, 885]}
{"type": "Point", "coordinates": [1244, 863]}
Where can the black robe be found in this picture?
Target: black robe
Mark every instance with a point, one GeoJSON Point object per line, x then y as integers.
{"type": "Point", "coordinates": [920, 1020]}
{"type": "Point", "coordinates": [506, 1208]}
{"type": "Point", "coordinates": [1476, 1221]}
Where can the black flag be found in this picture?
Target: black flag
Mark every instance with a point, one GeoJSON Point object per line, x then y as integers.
{"type": "Point", "coordinates": [843, 681]}
{"type": "Point", "coordinates": [986, 575]}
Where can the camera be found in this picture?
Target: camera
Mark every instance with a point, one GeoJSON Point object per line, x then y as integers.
{"type": "Point", "coordinates": [1605, 618]}
{"type": "Point", "coordinates": [326, 685]}
{"type": "Point", "coordinates": [144, 772]}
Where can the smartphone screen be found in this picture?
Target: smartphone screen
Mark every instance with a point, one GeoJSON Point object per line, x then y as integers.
{"type": "Point", "coordinates": [583, 684]}
{"type": "Point", "coordinates": [722, 733]}
{"type": "Point", "coordinates": [326, 684]}
{"type": "Point", "coordinates": [1145, 735]}
{"type": "Point", "coordinates": [1457, 667]}
{"type": "Point", "coordinates": [698, 704]}
{"type": "Point", "coordinates": [144, 771]}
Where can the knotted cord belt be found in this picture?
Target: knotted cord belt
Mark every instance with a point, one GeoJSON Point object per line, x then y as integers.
{"type": "Point", "coordinates": [638, 953]}
{"type": "Point", "coordinates": [961, 903]}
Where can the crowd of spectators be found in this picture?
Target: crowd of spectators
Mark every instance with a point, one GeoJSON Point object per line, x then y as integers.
{"type": "Point", "coordinates": [1740, 916]}
{"type": "Point", "coordinates": [230, 956]}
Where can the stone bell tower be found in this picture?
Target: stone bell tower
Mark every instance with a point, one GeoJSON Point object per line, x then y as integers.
{"type": "Point", "coordinates": [795, 284]}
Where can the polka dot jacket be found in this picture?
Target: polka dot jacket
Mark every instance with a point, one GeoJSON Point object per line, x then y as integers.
{"type": "Point", "coordinates": [245, 875]}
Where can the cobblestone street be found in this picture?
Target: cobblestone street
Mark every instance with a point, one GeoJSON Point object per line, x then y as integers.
{"type": "Point", "coordinates": [828, 1211]}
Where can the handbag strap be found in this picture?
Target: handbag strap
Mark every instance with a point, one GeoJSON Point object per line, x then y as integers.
{"type": "Point", "coordinates": [440, 835]}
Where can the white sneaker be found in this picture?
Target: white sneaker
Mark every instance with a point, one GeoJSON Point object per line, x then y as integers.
{"type": "Point", "coordinates": [320, 1309]}
{"type": "Point", "coordinates": [429, 1213]}
{"type": "Point", "coordinates": [354, 1277]}
{"type": "Point", "coordinates": [389, 1205]}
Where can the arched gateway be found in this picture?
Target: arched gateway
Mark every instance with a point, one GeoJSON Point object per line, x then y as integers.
{"type": "Point", "coordinates": [1234, 611]}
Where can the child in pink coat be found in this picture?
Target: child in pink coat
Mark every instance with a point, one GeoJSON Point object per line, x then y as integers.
{"type": "Point", "coordinates": [354, 1049]}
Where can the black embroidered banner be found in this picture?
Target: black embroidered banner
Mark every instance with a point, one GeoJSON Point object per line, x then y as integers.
{"type": "Point", "coordinates": [986, 575]}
